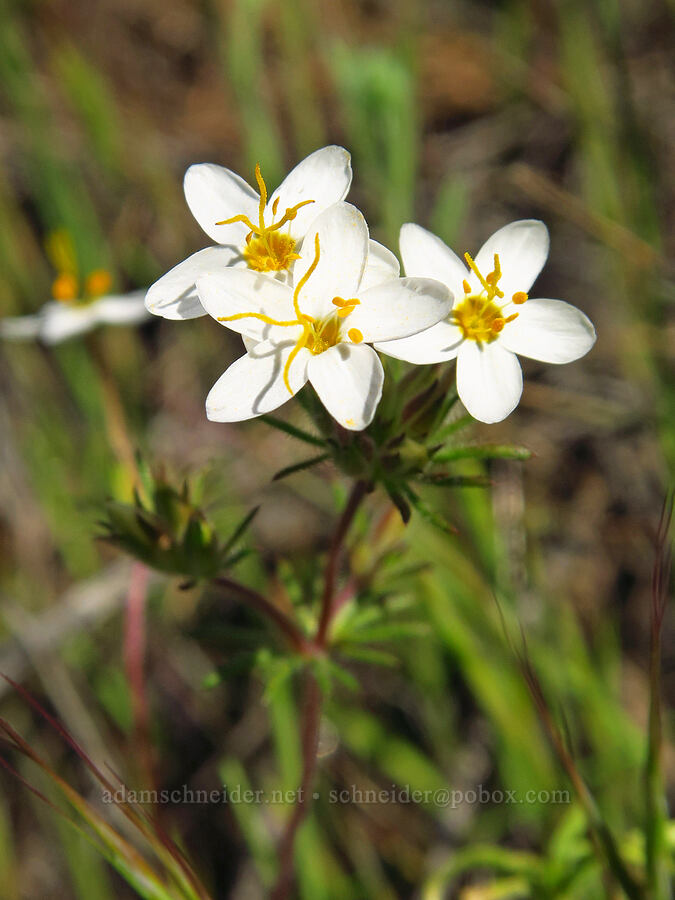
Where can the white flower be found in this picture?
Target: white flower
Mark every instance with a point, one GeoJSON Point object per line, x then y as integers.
{"type": "Point", "coordinates": [318, 328]}
{"type": "Point", "coordinates": [494, 319]}
{"type": "Point", "coordinates": [59, 320]}
{"type": "Point", "coordinates": [251, 230]}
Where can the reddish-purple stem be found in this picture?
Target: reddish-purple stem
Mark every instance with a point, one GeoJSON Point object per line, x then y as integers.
{"type": "Point", "coordinates": [358, 492]}
{"type": "Point", "coordinates": [311, 714]}
{"type": "Point", "coordinates": [256, 601]}
{"type": "Point", "coordinates": [134, 663]}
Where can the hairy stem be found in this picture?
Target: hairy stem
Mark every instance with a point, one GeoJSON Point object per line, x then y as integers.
{"type": "Point", "coordinates": [357, 494]}
{"type": "Point", "coordinates": [311, 713]}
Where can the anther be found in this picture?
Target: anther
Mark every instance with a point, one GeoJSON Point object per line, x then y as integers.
{"type": "Point", "coordinates": [97, 283]}
{"type": "Point", "coordinates": [497, 326]}
{"type": "Point", "coordinates": [519, 297]}
{"type": "Point", "coordinates": [355, 335]}
{"type": "Point", "coordinates": [345, 307]}
{"type": "Point", "coordinates": [64, 287]}
{"type": "Point", "coordinates": [466, 286]}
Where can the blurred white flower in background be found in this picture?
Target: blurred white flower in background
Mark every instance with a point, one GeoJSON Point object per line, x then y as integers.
{"type": "Point", "coordinates": [58, 321]}
{"type": "Point", "coordinates": [77, 305]}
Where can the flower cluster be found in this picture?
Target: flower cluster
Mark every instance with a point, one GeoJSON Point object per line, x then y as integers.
{"type": "Point", "coordinates": [316, 299]}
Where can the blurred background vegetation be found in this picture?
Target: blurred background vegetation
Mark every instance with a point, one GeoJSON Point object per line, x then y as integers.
{"type": "Point", "coordinates": [461, 116]}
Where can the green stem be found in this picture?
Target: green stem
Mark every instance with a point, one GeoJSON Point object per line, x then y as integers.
{"type": "Point", "coordinates": [311, 722]}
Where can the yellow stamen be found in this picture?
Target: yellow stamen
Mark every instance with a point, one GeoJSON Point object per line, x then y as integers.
{"type": "Point", "coordinates": [261, 316]}
{"type": "Point", "coordinates": [489, 283]}
{"type": "Point", "coordinates": [345, 307]}
{"type": "Point", "coordinates": [305, 278]}
{"type": "Point", "coordinates": [496, 275]}
{"type": "Point", "coordinates": [472, 265]}
{"type": "Point", "coordinates": [262, 187]}
{"type": "Point", "coordinates": [240, 218]}
{"type": "Point", "coordinates": [355, 335]}
{"type": "Point", "coordinates": [291, 356]}
{"type": "Point", "coordinates": [307, 321]}
{"type": "Point", "coordinates": [479, 316]}
{"type": "Point", "coordinates": [64, 288]}
{"type": "Point", "coordinates": [267, 250]}
{"type": "Point", "coordinates": [97, 283]}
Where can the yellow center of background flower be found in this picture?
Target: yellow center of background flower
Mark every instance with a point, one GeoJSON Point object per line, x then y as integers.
{"type": "Point", "coordinates": [66, 287]}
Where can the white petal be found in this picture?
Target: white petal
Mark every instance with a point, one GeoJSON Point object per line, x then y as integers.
{"type": "Point", "coordinates": [254, 384]}
{"type": "Point", "coordinates": [235, 291]}
{"type": "Point", "coordinates": [249, 343]}
{"type": "Point", "coordinates": [399, 308]}
{"type": "Point", "coordinates": [523, 249]}
{"type": "Point", "coordinates": [425, 254]}
{"type": "Point", "coordinates": [343, 238]}
{"type": "Point", "coordinates": [381, 266]}
{"type": "Point", "coordinates": [348, 379]}
{"type": "Point", "coordinates": [324, 177]}
{"type": "Point", "coordinates": [20, 328]}
{"type": "Point", "coordinates": [122, 309]}
{"type": "Point", "coordinates": [439, 343]}
{"type": "Point", "coordinates": [174, 295]}
{"type": "Point", "coordinates": [60, 322]}
{"type": "Point", "coordinates": [489, 380]}
{"type": "Point", "coordinates": [214, 193]}
{"type": "Point", "coordinates": [549, 330]}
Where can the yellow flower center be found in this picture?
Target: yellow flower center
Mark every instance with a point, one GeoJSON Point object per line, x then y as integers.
{"type": "Point", "coordinates": [318, 335]}
{"type": "Point", "coordinates": [266, 249]}
{"type": "Point", "coordinates": [66, 287]}
{"type": "Point", "coordinates": [273, 252]}
{"type": "Point", "coordinates": [480, 317]}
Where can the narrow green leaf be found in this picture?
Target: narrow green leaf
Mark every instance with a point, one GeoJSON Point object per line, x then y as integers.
{"type": "Point", "coordinates": [293, 430]}
{"type": "Point", "coordinates": [401, 505]}
{"type": "Point", "coordinates": [443, 479]}
{"type": "Point", "coordinates": [370, 655]}
{"type": "Point", "coordinates": [240, 529]}
{"type": "Point", "coordinates": [428, 514]}
{"type": "Point", "coordinates": [452, 428]}
{"type": "Point", "coordinates": [483, 451]}
{"type": "Point", "coordinates": [299, 467]}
